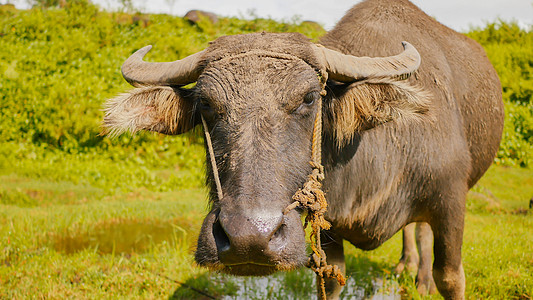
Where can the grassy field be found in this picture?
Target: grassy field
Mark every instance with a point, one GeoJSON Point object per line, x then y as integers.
{"type": "Point", "coordinates": [60, 239]}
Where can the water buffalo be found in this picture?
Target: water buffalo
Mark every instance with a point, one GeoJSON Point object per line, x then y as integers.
{"type": "Point", "coordinates": [407, 131]}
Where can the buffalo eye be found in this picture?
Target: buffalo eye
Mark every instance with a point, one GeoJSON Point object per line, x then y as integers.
{"type": "Point", "coordinates": [308, 100]}
{"type": "Point", "coordinates": [311, 97]}
{"type": "Point", "coordinates": [206, 109]}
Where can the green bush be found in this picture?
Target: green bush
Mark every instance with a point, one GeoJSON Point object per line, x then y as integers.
{"type": "Point", "coordinates": [59, 65]}
{"type": "Point", "coordinates": [510, 49]}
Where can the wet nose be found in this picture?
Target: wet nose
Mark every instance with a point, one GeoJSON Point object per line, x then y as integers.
{"type": "Point", "coordinates": [242, 239]}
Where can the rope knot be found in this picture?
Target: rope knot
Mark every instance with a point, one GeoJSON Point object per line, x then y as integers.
{"type": "Point", "coordinates": [318, 264]}
{"type": "Point", "coordinates": [311, 198]}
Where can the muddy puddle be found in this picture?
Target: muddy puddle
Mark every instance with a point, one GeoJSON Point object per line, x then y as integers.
{"type": "Point", "coordinates": [123, 236]}
{"type": "Point", "coordinates": [298, 284]}
{"type": "Point", "coordinates": [277, 287]}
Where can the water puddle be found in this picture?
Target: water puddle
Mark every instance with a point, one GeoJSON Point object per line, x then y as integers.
{"type": "Point", "coordinates": [122, 236]}
{"type": "Point", "coordinates": [280, 287]}
{"type": "Point", "coordinates": [299, 284]}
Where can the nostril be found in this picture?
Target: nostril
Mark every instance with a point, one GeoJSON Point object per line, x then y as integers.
{"type": "Point", "coordinates": [279, 232]}
{"type": "Point", "coordinates": [221, 238]}
{"type": "Point", "coordinates": [278, 239]}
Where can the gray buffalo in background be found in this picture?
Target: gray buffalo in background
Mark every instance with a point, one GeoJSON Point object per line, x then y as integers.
{"type": "Point", "coordinates": [406, 134]}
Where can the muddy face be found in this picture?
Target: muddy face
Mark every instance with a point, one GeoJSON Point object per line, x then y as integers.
{"type": "Point", "coordinates": [260, 112]}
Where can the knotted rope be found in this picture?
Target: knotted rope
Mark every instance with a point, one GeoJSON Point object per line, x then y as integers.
{"type": "Point", "coordinates": [310, 197]}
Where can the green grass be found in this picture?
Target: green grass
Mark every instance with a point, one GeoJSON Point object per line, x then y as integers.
{"type": "Point", "coordinates": [110, 247]}
{"type": "Point", "coordinates": [507, 189]}
{"type": "Point", "coordinates": [60, 239]}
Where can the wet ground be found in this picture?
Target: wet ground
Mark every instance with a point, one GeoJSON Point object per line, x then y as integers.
{"type": "Point", "coordinates": [128, 236]}
{"type": "Point", "coordinates": [275, 287]}
{"type": "Point", "coordinates": [120, 236]}
{"type": "Point", "coordinates": [298, 284]}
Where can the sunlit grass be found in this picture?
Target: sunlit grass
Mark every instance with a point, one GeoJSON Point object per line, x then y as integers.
{"type": "Point", "coordinates": [33, 263]}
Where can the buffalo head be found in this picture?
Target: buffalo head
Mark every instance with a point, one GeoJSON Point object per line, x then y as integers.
{"type": "Point", "coordinates": [258, 95]}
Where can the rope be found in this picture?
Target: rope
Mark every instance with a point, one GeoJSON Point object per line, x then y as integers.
{"type": "Point", "coordinates": [212, 157]}
{"type": "Point", "coordinates": [312, 198]}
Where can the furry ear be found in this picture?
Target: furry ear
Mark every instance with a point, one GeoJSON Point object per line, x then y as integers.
{"type": "Point", "coordinates": [160, 109]}
{"type": "Point", "coordinates": [364, 105]}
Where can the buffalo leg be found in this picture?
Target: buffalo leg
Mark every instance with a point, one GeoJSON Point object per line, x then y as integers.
{"type": "Point", "coordinates": [424, 242]}
{"type": "Point", "coordinates": [332, 246]}
{"type": "Point", "coordinates": [447, 225]}
{"type": "Point", "coordinates": [409, 259]}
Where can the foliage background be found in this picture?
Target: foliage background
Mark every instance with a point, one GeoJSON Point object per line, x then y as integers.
{"type": "Point", "coordinates": [510, 49]}
{"type": "Point", "coordinates": [57, 67]}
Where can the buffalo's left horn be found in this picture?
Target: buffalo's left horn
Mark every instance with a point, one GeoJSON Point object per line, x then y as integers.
{"type": "Point", "coordinates": [138, 72]}
{"type": "Point", "coordinates": [348, 68]}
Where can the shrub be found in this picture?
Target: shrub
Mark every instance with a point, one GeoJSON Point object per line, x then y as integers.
{"type": "Point", "coordinates": [510, 49]}
{"type": "Point", "coordinates": [58, 65]}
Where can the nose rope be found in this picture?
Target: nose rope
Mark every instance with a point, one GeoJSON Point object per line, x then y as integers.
{"type": "Point", "coordinates": [212, 157]}
{"type": "Point", "coordinates": [310, 197]}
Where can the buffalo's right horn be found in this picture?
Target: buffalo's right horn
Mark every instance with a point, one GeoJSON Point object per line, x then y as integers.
{"type": "Point", "coordinates": [180, 72]}
{"type": "Point", "coordinates": [348, 68]}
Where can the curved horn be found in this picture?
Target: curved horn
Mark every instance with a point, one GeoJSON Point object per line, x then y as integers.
{"type": "Point", "coordinates": [138, 72]}
{"type": "Point", "coordinates": [348, 68]}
